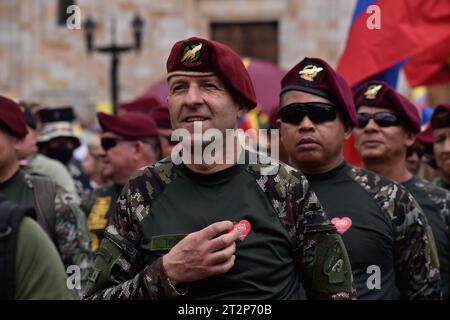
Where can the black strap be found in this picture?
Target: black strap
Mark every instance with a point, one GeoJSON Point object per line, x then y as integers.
{"type": "Point", "coordinates": [10, 217]}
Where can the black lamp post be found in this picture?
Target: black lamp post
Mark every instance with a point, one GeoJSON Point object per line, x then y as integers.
{"type": "Point", "coordinates": [114, 50]}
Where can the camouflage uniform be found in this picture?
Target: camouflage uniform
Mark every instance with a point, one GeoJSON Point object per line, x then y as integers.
{"type": "Point", "coordinates": [124, 270]}
{"type": "Point", "coordinates": [441, 184]}
{"type": "Point", "coordinates": [70, 233]}
{"type": "Point", "coordinates": [435, 202]}
{"type": "Point", "coordinates": [383, 228]}
{"type": "Point", "coordinates": [417, 269]}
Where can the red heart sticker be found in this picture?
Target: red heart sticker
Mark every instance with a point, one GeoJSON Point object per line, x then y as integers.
{"type": "Point", "coordinates": [243, 227]}
{"type": "Point", "coordinates": [342, 225]}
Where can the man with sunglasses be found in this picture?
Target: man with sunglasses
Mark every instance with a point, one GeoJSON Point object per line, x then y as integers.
{"type": "Point", "coordinates": [387, 125]}
{"type": "Point", "coordinates": [129, 141]}
{"type": "Point", "coordinates": [378, 219]}
{"type": "Point", "coordinates": [220, 230]}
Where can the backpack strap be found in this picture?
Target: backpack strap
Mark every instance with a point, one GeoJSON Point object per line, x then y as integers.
{"type": "Point", "coordinates": [44, 192]}
{"type": "Point", "coordinates": [10, 217]}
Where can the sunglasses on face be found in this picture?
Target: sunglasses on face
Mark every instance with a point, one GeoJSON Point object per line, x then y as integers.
{"type": "Point", "coordinates": [383, 119]}
{"type": "Point", "coordinates": [110, 142]}
{"type": "Point", "coordinates": [317, 112]}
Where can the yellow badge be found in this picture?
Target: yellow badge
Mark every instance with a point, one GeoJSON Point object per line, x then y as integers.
{"type": "Point", "coordinates": [191, 55]}
{"type": "Point", "coordinates": [372, 91]}
{"type": "Point", "coordinates": [97, 217]}
{"type": "Point", "coordinates": [310, 72]}
{"type": "Point", "coordinates": [95, 242]}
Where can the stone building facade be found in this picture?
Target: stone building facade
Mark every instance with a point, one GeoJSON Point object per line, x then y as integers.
{"type": "Point", "coordinates": [43, 60]}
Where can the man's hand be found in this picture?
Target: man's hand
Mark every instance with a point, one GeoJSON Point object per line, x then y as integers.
{"type": "Point", "coordinates": [202, 254]}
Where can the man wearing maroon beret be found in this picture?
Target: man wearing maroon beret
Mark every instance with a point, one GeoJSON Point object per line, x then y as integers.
{"type": "Point", "coordinates": [316, 115]}
{"type": "Point", "coordinates": [129, 141]}
{"type": "Point", "coordinates": [162, 118]}
{"type": "Point", "coordinates": [217, 230]}
{"type": "Point", "coordinates": [387, 125]}
{"type": "Point", "coordinates": [56, 211]}
{"type": "Point", "coordinates": [440, 136]}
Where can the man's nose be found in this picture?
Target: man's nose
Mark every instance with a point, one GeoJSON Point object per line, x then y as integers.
{"type": "Point", "coordinates": [371, 126]}
{"type": "Point", "coordinates": [305, 123]}
{"type": "Point", "coordinates": [193, 96]}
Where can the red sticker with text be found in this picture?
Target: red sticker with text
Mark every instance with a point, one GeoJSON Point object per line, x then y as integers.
{"type": "Point", "coordinates": [342, 225]}
{"type": "Point", "coordinates": [243, 227]}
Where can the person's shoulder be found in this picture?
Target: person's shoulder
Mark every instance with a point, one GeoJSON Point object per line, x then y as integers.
{"type": "Point", "coordinates": [269, 172]}
{"type": "Point", "coordinates": [152, 178]}
{"type": "Point", "coordinates": [391, 196]}
{"type": "Point", "coordinates": [49, 162]}
{"type": "Point", "coordinates": [161, 167]}
{"type": "Point", "coordinates": [431, 188]}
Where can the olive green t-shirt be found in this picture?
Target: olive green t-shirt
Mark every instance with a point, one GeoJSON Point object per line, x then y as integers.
{"type": "Point", "coordinates": [40, 272]}
{"type": "Point", "coordinates": [264, 266]}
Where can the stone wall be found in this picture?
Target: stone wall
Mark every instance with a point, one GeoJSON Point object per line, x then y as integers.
{"type": "Point", "coordinates": [42, 61]}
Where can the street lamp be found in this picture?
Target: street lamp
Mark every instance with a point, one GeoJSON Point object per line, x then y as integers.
{"type": "Point", "coordinates": [114, 50]}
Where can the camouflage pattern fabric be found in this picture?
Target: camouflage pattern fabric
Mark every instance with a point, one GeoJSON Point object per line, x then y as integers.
{"type": "Point", "coordinates": [122, 272]}
{"type": "Point", "coordinates": [417, 277]}
{"type": "Point", "coordinates": [71, 236]}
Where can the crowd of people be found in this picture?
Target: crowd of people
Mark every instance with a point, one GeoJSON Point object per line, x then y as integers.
{"type": "Point", "coordinates": [127, 222]}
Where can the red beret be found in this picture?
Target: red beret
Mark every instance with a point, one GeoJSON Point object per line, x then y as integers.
{"type": "Point", "coordinates": [197, 56]}
{"type": "Point", "coordinates": [143, 104]}
{"type": "Point", "coordinates": [380, 94]}
{"type": "Point", "coordinates": [129, 124]}
{"type": "Point", "coordinates": [162, 117]}
{"type": "Point", "coordinates": [441, 116]}
{"type": "Point", "coordinates": [315, 76]}
{"type": "Point", "coordinates": [12, 117]}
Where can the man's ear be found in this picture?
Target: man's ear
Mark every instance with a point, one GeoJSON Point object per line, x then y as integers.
{"type": "Point", "coordinates": [278, 123]}
{"type": "Point", "coordinates": [410, 139]}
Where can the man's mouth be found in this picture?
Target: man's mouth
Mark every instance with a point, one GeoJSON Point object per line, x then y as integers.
{"type": "Point", "coordinates": [195, 118]}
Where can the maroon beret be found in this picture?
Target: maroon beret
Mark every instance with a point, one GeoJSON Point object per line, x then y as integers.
{"type": "Point", "coordinates": [197, 56]}
{"type": "Point", "coordinates": [441, 116]}
{"type": "Point", "coordinates": [162, 117]}
{"type": "Point", "coordinates": [145, 105]}
{"type": "Point", "coordinates": [12, 117]}
{"type": "Point", "coordinates": [380, 94]}
{"type": "Point", "coordinates": [130, 124]}
{"type": "Point", "coordinates": [315, 76]}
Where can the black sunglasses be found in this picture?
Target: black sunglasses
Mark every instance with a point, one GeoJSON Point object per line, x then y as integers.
{"type": "Point", "coordinates": [383, 119]}
{"type": "Point", "coordinates": [110, 142]}
{"type": "Point", "coordinates": [317, 112]}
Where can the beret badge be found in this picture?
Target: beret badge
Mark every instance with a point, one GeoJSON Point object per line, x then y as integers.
{"type": "Point", "coordinates": [191, 55]}
{"type": "Point", "coordinates": [372, 91]}
{"type": "Point", "coordinates": [310, 72]}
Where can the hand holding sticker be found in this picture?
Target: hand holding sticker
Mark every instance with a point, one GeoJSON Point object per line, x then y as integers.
{"type": "Point", "coordinates": [243, 227]}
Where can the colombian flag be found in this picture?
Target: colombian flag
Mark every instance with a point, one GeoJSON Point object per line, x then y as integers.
{"type": "Point", "coordinates": [388, 35]}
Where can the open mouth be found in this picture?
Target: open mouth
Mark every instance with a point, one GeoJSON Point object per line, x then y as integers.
{"type": "Point", "coordinates": [196, 118]}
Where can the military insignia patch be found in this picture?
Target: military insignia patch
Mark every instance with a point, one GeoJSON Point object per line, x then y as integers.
{"type": "Point", "coordinates": [97, 218]}
{"type": "Point", "coordinates": [191, 55]}
{"type": "Point", "coordinates": [372, 91]}
{"type": "Point", "coordinates": [310, 72]}
{"type": "Point", "coordinates": [334, 266]}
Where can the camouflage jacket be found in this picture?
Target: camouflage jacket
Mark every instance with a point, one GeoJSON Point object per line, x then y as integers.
{"type": "Point", "coordinates": [416, 271]}
{"type": "Point", "coordinates": [441, 184]}
{"type": "Point", "coordinates": [68, 223]}
{"type": "Point", "coordinates": [120, 271]}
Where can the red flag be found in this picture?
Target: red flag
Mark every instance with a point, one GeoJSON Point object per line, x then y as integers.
{"type": "Point", "coordinates": [408, 27]}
